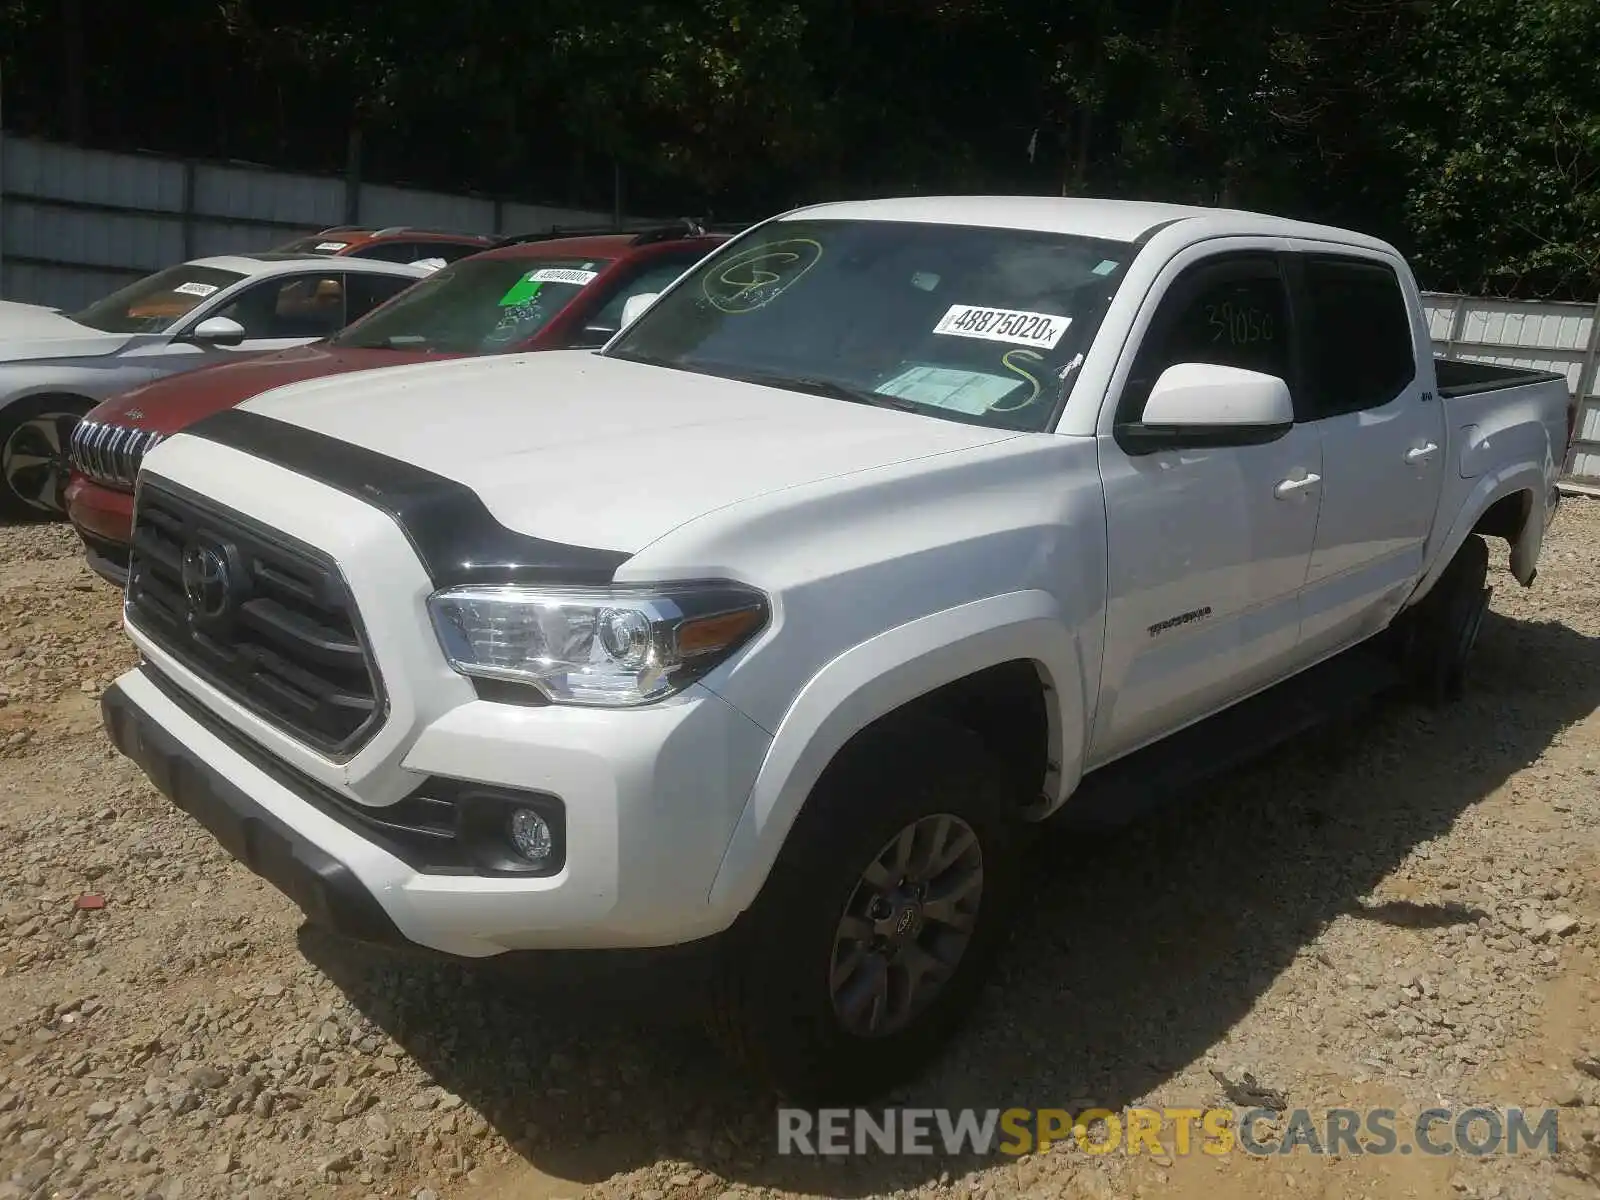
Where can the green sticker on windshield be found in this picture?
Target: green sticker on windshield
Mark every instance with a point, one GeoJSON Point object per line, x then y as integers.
{"type": "Point", "coordinates": [521, 292]}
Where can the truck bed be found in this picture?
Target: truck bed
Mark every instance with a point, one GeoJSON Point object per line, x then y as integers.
{"type": "Point", "coordinates": [1462, 377]}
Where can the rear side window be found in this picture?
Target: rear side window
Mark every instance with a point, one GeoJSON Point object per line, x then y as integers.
{"type": "Point", "coordinates": [1358, 349]}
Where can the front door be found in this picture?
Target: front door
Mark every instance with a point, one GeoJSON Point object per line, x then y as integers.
{"type": "Point", "coordinates": [277, 313]}
{"type": "Point", "coordinates": [1208, 548]}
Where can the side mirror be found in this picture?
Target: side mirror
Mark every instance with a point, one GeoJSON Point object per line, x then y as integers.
{"type": "Point", "coordinates": [1202, 405]}
{"type": "Point", "coordinates": [636, 305]}
{"type": "Point", "coordinates": [217, 331]}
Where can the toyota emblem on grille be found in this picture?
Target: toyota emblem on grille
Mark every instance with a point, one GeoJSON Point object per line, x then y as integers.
{"type": "Point", "coordinates": [207, 583]}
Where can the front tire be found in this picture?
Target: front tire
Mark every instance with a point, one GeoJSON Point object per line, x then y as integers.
{"type": "Point", "coordinates": [871, 940]}
{"type": "Point", "coordinates": [35, 436]}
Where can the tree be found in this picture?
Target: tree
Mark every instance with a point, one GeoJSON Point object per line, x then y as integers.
{"type": "Point", "coordinates": [1501, 122]}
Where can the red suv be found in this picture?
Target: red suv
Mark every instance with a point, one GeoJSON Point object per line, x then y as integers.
{"type": "Point", "coordinates": [538, 292]}
{"type": "Point", "coordinates": [397, 243]}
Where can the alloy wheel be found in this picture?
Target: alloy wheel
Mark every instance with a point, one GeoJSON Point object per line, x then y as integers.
{"type": "Point", "coordinates": [34, 460]}
{"type": "Point", "coordinates": [906, 926]}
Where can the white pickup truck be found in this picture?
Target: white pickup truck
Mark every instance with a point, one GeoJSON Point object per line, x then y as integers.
{"type": "Point", "coordinates": [887, 531]}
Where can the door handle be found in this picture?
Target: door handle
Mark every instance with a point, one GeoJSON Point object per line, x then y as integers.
{"type": "Point", "coordinates": [1290, 488]}
{"type": "Point", "coordinates": [1420, 454]}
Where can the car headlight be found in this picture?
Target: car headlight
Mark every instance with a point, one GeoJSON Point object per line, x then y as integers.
{"type": "Point", "coordinates": [597, 646]}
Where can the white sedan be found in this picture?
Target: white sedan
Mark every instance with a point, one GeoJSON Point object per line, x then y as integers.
{"type": "Point", "coordinates": [55, 366]}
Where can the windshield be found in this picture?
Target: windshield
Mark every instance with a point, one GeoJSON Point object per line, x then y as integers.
{"type": "Point", "coordinates": [316, 243]}
{"type": "Point", "coordinates": [156, 302]}
{"type": "Point", "coordinates": [475, 306]}
{"type": "Point", "coordinates": [970, 324]}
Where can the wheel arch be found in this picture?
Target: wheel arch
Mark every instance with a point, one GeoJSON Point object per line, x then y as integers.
{"type": "Point", "coordinates": [1505, 504]}
{"type": "Point", "coordinates": [46, 391]}
{"type": "Point", "coordinates": [913, 667]}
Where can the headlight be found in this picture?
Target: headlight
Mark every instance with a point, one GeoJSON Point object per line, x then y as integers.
{"type": "Point", "coordinates": [599, 646]}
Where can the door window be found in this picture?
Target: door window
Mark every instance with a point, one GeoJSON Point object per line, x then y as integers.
{"type": "Point", "coordinates": [410, 252]}
{"type": "Point", "coordinates": [296, 306]}
{"type": "Point", "coordinates": [397, 252]}
{"type": "Point", "coordinates": [1359, 352]}
{"type": "Point", "coordinates": [1231, 312]}
{"type": "Point", "coordinates": [363, 293]}
{"type": "Point", "coordinates": [597, 330]}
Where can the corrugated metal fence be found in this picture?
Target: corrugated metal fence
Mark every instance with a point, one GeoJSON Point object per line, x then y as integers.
{"type": "Point", "coordinates": [1546, 336]}
{"type": "Point", "coordinates": [76, 224]}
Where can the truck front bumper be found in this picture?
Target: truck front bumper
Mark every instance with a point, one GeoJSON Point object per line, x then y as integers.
{"type": "Point", "coordinates": [327, 890]}
{"type": "Point", "coordinates": [642, 826]}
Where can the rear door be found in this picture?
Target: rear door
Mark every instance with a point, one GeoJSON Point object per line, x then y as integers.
{"type": "Point", "coordinates": [1382, 436]}
{"type": "Point", "coordinates": [1207, 550]}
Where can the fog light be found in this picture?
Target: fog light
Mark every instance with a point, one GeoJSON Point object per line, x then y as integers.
{"type": "Point", "coordinates": [530, 833]}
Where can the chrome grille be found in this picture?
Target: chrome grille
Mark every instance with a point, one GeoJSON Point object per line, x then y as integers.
{"type": "Point", "coordinates": [280, 634]}
{"type": "Point", "coordinates": [110, 454]}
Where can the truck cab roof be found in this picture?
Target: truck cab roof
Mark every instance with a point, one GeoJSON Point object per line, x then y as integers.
{"type": "Point", "coordinates": [1115, 220]}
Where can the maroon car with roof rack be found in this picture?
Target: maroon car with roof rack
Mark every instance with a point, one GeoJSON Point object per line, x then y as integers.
{"type": "Point", "coordinates": [534, 292]}
{"type": "Point", "coordinates": [395, 243]}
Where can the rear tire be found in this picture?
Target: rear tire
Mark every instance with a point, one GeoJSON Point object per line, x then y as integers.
{"type": "Point", "coordinates": [835, 939]}
{"type": "Point", "coordinates": [35, 435]}
{"type": "Point", "coordinates": [1443, 628]}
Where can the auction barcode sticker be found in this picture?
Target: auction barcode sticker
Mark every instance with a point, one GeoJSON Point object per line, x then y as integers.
{"type": "Point", "coordinates": [563, 275]}
{"type": "Point", "coordinates": [194, 289]}
{"type": "Point", "coordinates": [331, 245]}
{"type": "Point", "coordinates": [1042, 330]}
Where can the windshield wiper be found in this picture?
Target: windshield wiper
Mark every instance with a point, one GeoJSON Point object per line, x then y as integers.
{"type": "Point", "coordinates": [831, 388]}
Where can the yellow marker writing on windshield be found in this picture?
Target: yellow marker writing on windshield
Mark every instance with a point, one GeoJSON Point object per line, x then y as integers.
{"type": "Point", "coordinates": [1005, 360]}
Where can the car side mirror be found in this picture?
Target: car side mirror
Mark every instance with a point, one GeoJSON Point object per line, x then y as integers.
{"type": "Point", "coordinates": [1203, 405]}
{"type": "Point", "coordinates": [636, 305]}
{"type": "Point", "coordinates": [216, 331]}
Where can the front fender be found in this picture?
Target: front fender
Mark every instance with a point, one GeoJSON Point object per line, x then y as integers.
{"type": "Point", "coordinates": [25, 381]}
{"type": "Point", "coordinates": [877, 677]}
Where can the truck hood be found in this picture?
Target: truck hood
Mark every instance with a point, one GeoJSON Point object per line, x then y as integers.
{"type": "Point", "coordinates": [171, 404]}
{"type": "Point", "coordinates": [32, 331]}
{"type": "Point", "coordinates": [594, 451]}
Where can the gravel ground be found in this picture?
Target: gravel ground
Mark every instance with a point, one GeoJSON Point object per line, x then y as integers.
{"type": "Point", "coordinates": [1402, 910]}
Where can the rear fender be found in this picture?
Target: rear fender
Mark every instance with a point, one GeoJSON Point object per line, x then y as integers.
{"type": "Point", "coordinates": [1488, 490]}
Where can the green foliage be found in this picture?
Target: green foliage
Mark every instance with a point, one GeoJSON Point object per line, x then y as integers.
{"type": "Point", "coordinates": [1468, 131]}
{"type": "Point", "coordinates": [1501, 125]}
